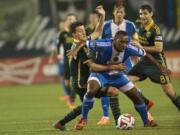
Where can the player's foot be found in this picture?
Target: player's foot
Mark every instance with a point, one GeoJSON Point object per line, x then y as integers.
{"type": "Point", "coordinates": [151, 124]}
{"type": "Point", "coordinates": [71, 105]}
{"type": "Point", "coordinates": [80, 125]}
{"type": "Point", "coordinates": [64, 98]}
{"type": "Point", "coordinates": [150, 117]}
{"type": "Point", "coordinates": [150, 104]}
{"type": "Point", "coordinates": [104, 121]}
{"type": "Point", "coordinates": [59, 126]}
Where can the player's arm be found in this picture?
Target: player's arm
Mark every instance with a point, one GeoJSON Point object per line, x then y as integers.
{"type": "Point", "coordinates": [158, 43]}
{"type": "Point", "coordinates": [99, 28]}
{"type": "Point", "coordinates": [98, 67]}
{"type": "Point", "coordinates": [138, 50]}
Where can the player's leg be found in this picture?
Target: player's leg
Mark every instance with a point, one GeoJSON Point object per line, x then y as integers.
{"type": "Point", "coordinates": [168, 89]}
{"type": "Point", "coordinates": [130, 90]}
{"type": "Point", "coordinates": [74, 113]}
{"type": "Point", "coordinates": [156, 76]}
{"type": "Point", "coordinates": [105, 101]}
{"type": "Point", "coordinates": [95, 82]}
{"type": "Point", "coordinates": [114, 105]}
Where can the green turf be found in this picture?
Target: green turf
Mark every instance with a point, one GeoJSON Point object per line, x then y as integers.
{"type": "Point", "coordinates": [31, 110]}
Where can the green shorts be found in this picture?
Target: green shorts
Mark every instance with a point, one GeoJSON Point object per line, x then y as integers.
{"type": "Point", "coordinates": [82, 91]}
{"type": "Point", "coordinates": [145, 70]}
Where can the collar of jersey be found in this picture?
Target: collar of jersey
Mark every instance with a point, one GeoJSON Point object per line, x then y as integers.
{"type": "Point", "coordinates": [119, 24]}
{"type": "Point", "coordinates": [147, 28]}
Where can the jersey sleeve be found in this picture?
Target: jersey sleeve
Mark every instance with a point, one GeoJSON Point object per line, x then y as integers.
{"type": "Point", "coordinates": [134, 51]}
{"type": "Point", "coordinates": [157, 34]}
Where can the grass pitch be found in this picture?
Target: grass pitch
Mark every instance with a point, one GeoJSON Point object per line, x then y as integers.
{"type": "Point", "coordinates": [31, 110]}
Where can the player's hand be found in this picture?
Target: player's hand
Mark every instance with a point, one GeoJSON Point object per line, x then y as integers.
{"type": "Point", "coordinates": [100, 10]}
{"type": "Point", "coordinates": [60, 57]}
{"type": "Point", "coordinates": [136, 43]}
{"type": "Point", "coordinates": [120, 67]}
{"type": "Point", "coordinates": [166, 71]}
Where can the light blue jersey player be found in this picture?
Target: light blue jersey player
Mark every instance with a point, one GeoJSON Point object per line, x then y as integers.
{"type": "Point", "coordinates": [119, 50]}
{"type": "Point", "coordinates": [109, 31]}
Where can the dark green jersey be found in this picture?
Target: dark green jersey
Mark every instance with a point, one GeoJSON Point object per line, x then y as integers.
{"type": "Point", "coordinates": [65, 39]}
{"type": "Point", "coordinates": [79, 69]}
{"type": "Point", "coordinates": [89, 29]}
{"type": "Point", "coordinates": [148, 36]}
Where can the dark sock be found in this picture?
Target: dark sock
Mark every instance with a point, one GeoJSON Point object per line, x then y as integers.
{"type": "Point", "coordinates": [143, 97]}
{"type": "Point", "coordinates": [114, 104]}
{"type": "Point", "coordinates": [72, 115]}
{"type": "Point", "coordinates": [176, 102]}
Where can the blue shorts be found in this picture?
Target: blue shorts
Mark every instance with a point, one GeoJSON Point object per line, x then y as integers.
{"type": "Point", "coordinates": [119, 81]}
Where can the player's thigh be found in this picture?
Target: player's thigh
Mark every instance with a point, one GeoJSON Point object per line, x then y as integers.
{"type": "Point", "coordinates": [66, 70]}
{"type": "Point", "coordinates": [137, 73]}
{"type": "Point", "coordinates": [156, 76]}
{"type": "Point", "coordinates": [80, 91]}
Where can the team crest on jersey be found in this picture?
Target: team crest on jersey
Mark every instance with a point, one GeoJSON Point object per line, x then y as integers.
{"type": "Point", "coordinates": [148, 34]}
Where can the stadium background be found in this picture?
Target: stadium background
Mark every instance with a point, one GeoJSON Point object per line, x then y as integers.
{"type": "Point", "coordinates": [27, 29]}
{"type": "Point", "coordinates": [28, 95]}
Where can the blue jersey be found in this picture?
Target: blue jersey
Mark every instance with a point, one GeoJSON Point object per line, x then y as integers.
{"type": "Point", "coordinates": [107, 54]}
{"type": "Point", "coordinates": [110, 29]}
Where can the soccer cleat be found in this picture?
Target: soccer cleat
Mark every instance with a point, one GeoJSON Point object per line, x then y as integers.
{"type": "Point", "coordinates": [63, 98]}
{"type": "Point", "coordinates": [151, 124]}
{"type": "Point", "coordinates": [104, 121]}
{"type": "Point", "coordinates": [80, 125]}
{"type": "Point", "coordinates": [59, 126]}
{"type": "Point", "coordinates": [150, 104]}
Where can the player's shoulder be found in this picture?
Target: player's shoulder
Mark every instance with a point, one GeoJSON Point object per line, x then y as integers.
{"type": "Point", "coordinates": [156, 28]}
{"type": "Point", "coordinates": [129, 22]}
{"type": "Point", "coordinates": [108, 22]}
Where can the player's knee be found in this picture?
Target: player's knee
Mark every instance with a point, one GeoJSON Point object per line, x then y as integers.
{"type": "Point", "coordinates": [112, 91]}
{"type": "Point", "coordinates": [93, 87]}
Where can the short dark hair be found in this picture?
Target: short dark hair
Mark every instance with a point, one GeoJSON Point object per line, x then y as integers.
{"type": "Point", "coordinates": [118, 7]}
{"type": "Point", "coordinates": [74, 25]}
{"type": "Point", "coordinates": [146, 7]}
{"type": "Point", "coordinates": [96, 13]}
{"type": "Point", "coordinates": [120, 34]}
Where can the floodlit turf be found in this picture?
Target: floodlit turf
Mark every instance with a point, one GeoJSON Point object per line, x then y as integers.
{"type": "Point", "coordinates": [31, 110]}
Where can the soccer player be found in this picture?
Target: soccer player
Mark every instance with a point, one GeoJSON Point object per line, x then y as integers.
{"type": "Point", "coordinates": [119, 50]}
{"type": "Point", "coordinates": [151, 40]}
{"type": "Point", "coordinates": [79, 68]}
{"type": "Point", "coordinates": [109, 31]}
{"type": "Point", "coordinates": [66, 40]}
{"type": "Point", "coordinates": [60, 63]}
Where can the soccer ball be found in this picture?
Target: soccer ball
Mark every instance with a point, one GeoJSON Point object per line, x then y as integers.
{"type": "Point", "coordinates": [126, 122]}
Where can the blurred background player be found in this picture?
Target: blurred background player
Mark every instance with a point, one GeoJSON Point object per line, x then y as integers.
{"type": "Point", "coordinates": [54, 56]}
{"type": "Point", "coordinates": [66, 40]}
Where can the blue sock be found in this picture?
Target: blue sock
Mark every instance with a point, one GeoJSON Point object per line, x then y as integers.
{"type": "Point", "coordinates": [64, 88]}
{"type": "Point", "coordinates": [142, 110]}
{"type": "Point", "coordinates": [105, 106]}
{"type": "Point", "coordinates": [86, 106]}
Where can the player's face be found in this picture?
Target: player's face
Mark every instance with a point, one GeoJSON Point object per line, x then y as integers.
{"type": "Point", "coordinates": [80, 33]}
{"type": "Point", "coordinates": [145, 16]}
{"type": "Point", "coordinates": [119, 14]}
{"type": "Point", "coordinates": [121, 43]}
{"type": "Point", "coordinates": [93, 19]}
{"type": "Point", "coordinates": [70, 20]}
